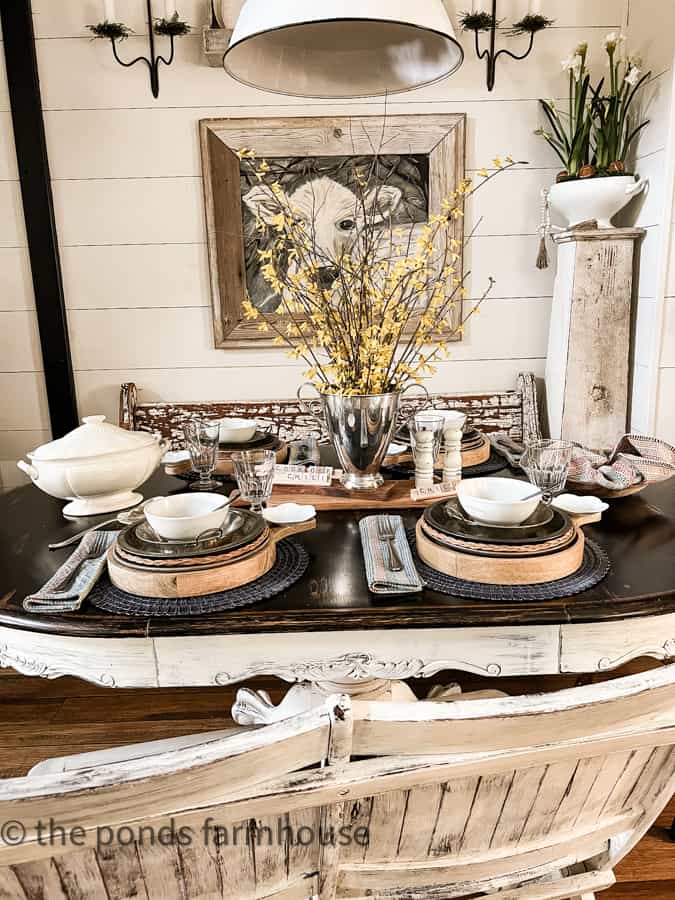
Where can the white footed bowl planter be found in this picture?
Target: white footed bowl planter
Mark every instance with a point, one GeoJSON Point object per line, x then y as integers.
{"type": "Point", "coordinates": [599, 198]}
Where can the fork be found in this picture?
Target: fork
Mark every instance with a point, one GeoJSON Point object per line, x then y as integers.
{"type": "Point", "coordinates": [98, 547]}
{"type": "Point", "coordinates": [386, 532]}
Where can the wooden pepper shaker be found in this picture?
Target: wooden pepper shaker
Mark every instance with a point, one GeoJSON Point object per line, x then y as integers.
{"type": "Point", "coordinates": [452, 440]}
{"type": "Point", "coordinates": [424, 459]}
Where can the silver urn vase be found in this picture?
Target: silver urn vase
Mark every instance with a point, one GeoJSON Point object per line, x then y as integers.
{"type": "Point", "coordinates": [361, 427]}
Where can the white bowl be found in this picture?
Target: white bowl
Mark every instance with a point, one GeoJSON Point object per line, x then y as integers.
{"type": "Point", "coordinates": [497, 501]}
{"type": "Point", "coordinates": [237, 431]}
{"type": "Point", "coordinates": [184, 517]}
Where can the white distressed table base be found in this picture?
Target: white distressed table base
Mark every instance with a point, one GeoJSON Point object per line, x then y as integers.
{"type": "Point", "coordinates": [355, 662]}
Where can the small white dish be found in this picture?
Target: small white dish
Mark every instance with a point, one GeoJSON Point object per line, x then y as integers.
{"type": "Point", "coordinates": [171, 457]}
{"type": "Point", "coordinates": [395, 448]}
{"type": "Point", "coordinates": [573, 503]}
{"type": "Point", "coordinates": [184, 517]}
{"type": "Point", "coordinates": [497, 501]}
{"type": "Point", "coordinates": [237, 431]}
{"type": "Point", "coordinates": [289, 513]}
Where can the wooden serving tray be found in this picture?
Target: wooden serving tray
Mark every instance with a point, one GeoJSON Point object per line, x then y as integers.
{"type": "Point", "coordinates": [390, 495]}
{"type": "Point", "coordinates": [161, 584]}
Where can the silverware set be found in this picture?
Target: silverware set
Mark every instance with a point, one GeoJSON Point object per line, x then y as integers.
{"type": "Point", "coordinates": [386, 532]}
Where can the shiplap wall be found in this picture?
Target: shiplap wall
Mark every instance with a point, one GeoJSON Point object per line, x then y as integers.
{"type": "Point", "coordinates": [24, 417]}
{"type": "Point", "coordinates": [128, 196]}
{"type": "Point", "coordinates": [651, 30]}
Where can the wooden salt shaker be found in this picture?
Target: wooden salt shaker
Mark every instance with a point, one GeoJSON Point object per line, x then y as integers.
{"type": "Point", "coordinates": [424, 459]}
{"type": "Point", "coordinates": [452, 440]}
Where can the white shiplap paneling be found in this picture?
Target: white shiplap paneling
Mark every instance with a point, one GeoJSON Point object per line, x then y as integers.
{"type": "Point", "coordinates": [8, 168]}
{"type": "Point", "coordinates": [100, 338]}
{"type": "Point", "coordinates": [16, 287]}
{"type": "Point", "coordinates": [24, 401]}
{"type": "Point", "coordinates": [68, 18]}
{"type": "Point", "coordinates": [129, 211]}
{"type": "Point", "coordinates": [156, 143]}
{"type": "Point", "coordinates": [19, 342]}
{"type": "Point", "coordinates": [12, 228]}
{"type": "Point", "coordinates": [150, 275]}
{"type": "Point", "coordinates": [84, 75]}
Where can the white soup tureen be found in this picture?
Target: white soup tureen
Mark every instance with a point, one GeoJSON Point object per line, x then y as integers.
{"type": "Point", "coordinates": [97, 466]}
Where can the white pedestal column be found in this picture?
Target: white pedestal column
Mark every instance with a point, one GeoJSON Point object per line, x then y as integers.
{"type": "Point", "coordinates": [589, 338]}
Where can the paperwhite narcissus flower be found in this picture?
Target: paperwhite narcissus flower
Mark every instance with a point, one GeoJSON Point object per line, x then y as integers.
{"type": "Point", "coordinates": [612, 40]}
{"type": "Point", "coordinates": [573, 64]}
{"type": "Point", "coordinates": [633, 76]}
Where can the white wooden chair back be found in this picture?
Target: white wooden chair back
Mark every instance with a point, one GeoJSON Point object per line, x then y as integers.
{"type": "Point", "coordinates": [537, 797]}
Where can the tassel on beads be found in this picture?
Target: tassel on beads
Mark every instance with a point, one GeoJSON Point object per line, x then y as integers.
{"type": "Point", "coordinates": [544, 228]}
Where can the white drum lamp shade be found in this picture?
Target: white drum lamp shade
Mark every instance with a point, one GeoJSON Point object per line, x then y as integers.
{"type": "Point", "coordinates": [337, 49]}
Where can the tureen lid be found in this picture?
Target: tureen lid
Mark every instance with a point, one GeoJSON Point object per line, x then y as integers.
{"type": "Point", "coordinates": [95, 437]}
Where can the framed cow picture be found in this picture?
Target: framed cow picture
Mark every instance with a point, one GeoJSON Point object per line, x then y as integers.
{"type": "Point", "coordinates": [413, 163]}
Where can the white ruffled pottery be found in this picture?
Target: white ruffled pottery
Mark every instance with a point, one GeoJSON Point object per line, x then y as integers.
{"type": "Point", "coordinates": [573, 503]}
{"type": "Point", "coordinates": [289, 513]}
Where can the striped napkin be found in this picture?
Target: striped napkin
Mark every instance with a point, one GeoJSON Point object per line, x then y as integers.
{"type": "Point", "coordinates": [68, 588]}
{"type": "Point", "coordinates": [382, 580]}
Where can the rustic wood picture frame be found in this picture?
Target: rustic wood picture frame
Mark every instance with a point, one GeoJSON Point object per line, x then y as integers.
{"type": "Point", "coordinates": [440, 136]}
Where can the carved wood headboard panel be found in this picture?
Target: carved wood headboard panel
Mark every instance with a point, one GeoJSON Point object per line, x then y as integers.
{"type": "Point", "coordinates": [514, 412]}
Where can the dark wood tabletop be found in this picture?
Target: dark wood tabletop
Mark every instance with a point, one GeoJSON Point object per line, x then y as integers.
{"type": "Point", "coordinates": [637, 532]}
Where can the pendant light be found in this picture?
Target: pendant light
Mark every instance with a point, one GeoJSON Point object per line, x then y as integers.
{"type": "Point", "coordinates": [338, 49]}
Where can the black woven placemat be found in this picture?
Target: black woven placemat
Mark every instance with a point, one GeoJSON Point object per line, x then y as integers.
{"type": "Point", "coordinates": [291, 565]}
{"type": "Point", "coordinates": [495, 463]}
{"type": "Point", "coordinates": [593, 569]}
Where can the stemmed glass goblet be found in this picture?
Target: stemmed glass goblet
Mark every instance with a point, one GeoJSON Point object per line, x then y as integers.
{"type": "Point", "coordinates": [201, 440]}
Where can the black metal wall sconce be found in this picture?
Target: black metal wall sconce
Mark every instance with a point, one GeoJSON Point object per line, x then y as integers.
{"type": "Point", "coordinates": [478, 22]}
{"type": "Point", "coordinates": [171, 26]}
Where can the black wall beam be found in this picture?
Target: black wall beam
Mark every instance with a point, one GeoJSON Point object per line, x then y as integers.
{"type": "Point", "coordinates": [38, 206]}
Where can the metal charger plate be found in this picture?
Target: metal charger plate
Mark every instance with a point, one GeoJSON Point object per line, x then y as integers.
{"type": "Point", "coordinates": [544, 524]}
{"type": "Point", "coordinates": [242, 527]}
{"type": "Point", "coordinates": [469, 434]}
{"type": "Point", "coordinates": [529, 550]}
{"type": "Point", "coordinates": [191, 566]}
{"type": "Point", "coordinates": [261, 440]}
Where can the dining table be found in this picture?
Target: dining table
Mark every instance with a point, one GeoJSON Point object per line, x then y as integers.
{"type": "Point", "coordinates": [328, 632]}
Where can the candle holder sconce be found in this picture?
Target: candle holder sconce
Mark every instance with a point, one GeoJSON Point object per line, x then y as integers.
{"type": "Point", "coordinates": [118, 31]}
{"type": "Point", "coordinates": [488, 22]}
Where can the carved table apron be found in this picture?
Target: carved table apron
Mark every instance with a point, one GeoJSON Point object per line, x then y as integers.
{"type": "Point", "coordinates": [329, 631]}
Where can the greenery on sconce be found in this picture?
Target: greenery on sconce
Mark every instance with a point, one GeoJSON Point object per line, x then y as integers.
{"type": "Point", "coordinates": [476, 21]}
{"type": "Point", "coordinates": [529, 24]}
{"type": "Point", "coordinates": [114, 31]}
{"type": "Point", "coordinates": [173, 27]}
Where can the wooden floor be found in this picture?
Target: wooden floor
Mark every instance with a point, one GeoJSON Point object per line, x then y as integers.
{"type": "Point", "coordinates": [40, 718]}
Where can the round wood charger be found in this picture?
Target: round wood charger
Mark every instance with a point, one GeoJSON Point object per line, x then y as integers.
{"type": "Point", "coordinates": [494, 570]}
{"type": "Point", "coordinates": [197, 581]}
